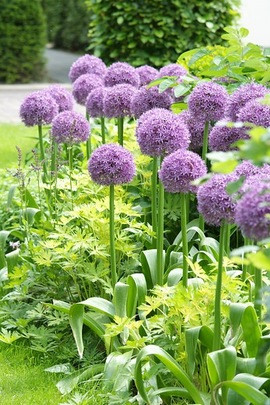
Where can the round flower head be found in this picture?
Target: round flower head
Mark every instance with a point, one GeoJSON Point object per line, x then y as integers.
{"type": "Point", "coordinates": [241, 96]}
{"type": "Point", "coordinates": [70, 127]}
{"type": "Point", "coordinates": [62, 97]}
{"type": "Point", "coordinates": [117, 100]}
{"type": "Point", "coordinates": [196, 129]}
{"type": "Point", "coordinates": [95, 102]}
{"type": "Point", "coordinates": [84, 85]}
{"type": "Point", "coordinates": [173, 69]}
{"type": "Point", "coordinates": [87, 64]}
{"type": "Point", "coordinates": [147, 99]}
{"type": "Point", "coordinates": [160, 132]}
{"type": "Point", "coordinates": [214, 203]}
{"type": "Point", "coordinates": [222, 136]}
{"type": "Point", "coordinates": [262, 176]}
{"type": "Point", "coordinates": [147, 74]}
{"type": "Point", "coordinates": [251, 212]}
{"type": "Point", "coordinates": [179, 169]}
{"type": "Point", "coordinates": [38, 108]}
{"type": "Point", "coordinates": [111, 164]}
{"type": "Point", "coordinates": [256, 113]}
{"type": "Point", "coordinates": [208, 101]}
{"type": "Point", "coordinates": [121, 72]}
{"type": "Point", "coordinates": [247, 169]}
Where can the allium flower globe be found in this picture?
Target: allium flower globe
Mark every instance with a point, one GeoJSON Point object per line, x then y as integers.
{"type": "Point", "coordinates": [147, 99]}
{"type": "Point", "coordinates": [208, 101]}
{"type": "Point", "coordinates": [256, 113]}
{"type": "Point", "coordinates": [222, 136]}
{"type": "Point", "coordinates": [160, 132]}
{"type": "Point", "coordinates": [87, 64]}
{"type": "Point", "coordinates": [62, 97]}
{"type": "Point", "coordinates": [147, 74]}
{"type": "Point", "coordinates": [111, 164]}
{"type": "Point", "coordinates": [117, 100]}
{"type": "Point", "coordinates": [121, 73]}
{"type": "Point", "coordinates": [95, 102]}
{"type": "Point", "coordinates": [84, 85]}
{"type": "Point", "coordinates": [242, 96]}
{"type": "Point", "coordinates": [179, 169]}
{"type": "Point", "coordinates": [38, 108]}
{"type": "Point", "coordinates": [70, 127]}
{"type": "Point", "coordinates": [247, 169]}
{"type": "Point", "coordinates": [214, 203]}
{"type": "Point", "coordinates": [173, 69]}
{"type": "Point", "coordinates": [262, 176]}
{"type": "Point", "coordinates": [252, 212]}
{"type": "Point", "coordinates": [196, 129]}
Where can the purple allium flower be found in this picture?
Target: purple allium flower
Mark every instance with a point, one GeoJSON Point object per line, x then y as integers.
{"type": "Point", "coordinates": [256, 113]}
{"type": "Point", "coordinates": [241, 96]}
{"type": "Point", "coordinates": [214, 203]}
{"type": "Point", "coordinates": [62, 97]}
{"type": "Point", "coordinates": [196, 129]}
{"type": "Point", "coordinates": [222, 136]}
{"type": "Point", "coordinates": [179, 169]}
{"type": "Point", "coordinates": [247, 169]}
{"type": "Point", "coordinates": [147, 74]}
{"type": "Point", "coordinates": [160, 132]}
{"type": "Point", "coordinates": [146, 99]}
{"type": "Point", "coordinates": [111, 164]}
{"type": "Point", "coordinates": [208, 101]}
{"type": "Point", "coordinates": [84, 85]}
{"type": "Point", "coordinates": [95, 102]}
{"type": "Point", "coordinates": [173, 69]}
{"type": "Point", "coordinates": [121, 72]}
{"type": "Point", "coordinates": [262, 176]}
{"type": "Point", "coordinates": [87, 64]}
{"type": "Point", "coordinates": [38, 108]}
{"type": "Point", "coordinates": [251, 211]}
{"type": "Point", "coordinates": [70, 127]}
{"type": "Point", "coordinates": [117, 100]}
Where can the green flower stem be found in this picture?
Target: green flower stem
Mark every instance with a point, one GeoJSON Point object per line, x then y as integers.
{"type": "Point", "coordinates": [205, 140]}
{"type": "Point", "coordinates": [201, 222]}
{"type": "Point", "coordinates": [227, 242]}
{"type": "Point", "coordinates": [184, 197]}
{"type": "Point", "coordinates": [160, 236]}
{"type": "Point", "coordinates": [102, 122]}
{"type": "Point", "coordinates": [154, 199]}
{"type": "Point", "coordinates": [53, 158]}
{"type": "Point", "coordinates": [245, 266]}
{"type": "Point", "coordinates": [41, 148]}
{"type": "Point", "coordinates": [217, 315]}
{"type": "Point", "coordinates": [257, 292]}
{"type": "Point", "coordinates": [120, 123]}
{"type": "Point", "coordinates": [88, 142]}
{"type": "Point", "coordinates": [70, 162]}
{"type": "Point", "coordinates": [112, 241]}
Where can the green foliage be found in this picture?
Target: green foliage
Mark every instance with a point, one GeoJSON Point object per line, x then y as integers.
{"type": "Point", "coordinates": [23, 37]}
{"type": "Point", "coordinates": [155, 32]}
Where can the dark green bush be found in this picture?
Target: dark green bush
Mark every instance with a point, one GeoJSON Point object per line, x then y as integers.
{"type": "Point", "coordinates": [155, 31]}
{"type": "Point", "coordinates": [23, 37]}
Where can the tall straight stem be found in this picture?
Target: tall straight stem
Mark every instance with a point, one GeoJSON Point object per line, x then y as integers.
{"type": "Point", "coordinates": [245, 266]}
{"type": "Point", "coordinates": [154, 199]}
{"type": "Point", "coordinates": [88, 142]}
{"type": "Point", "coordinates": [257, 292]}
{"type": "Point", "coordinates": [160, 236]}
{"type": "Point", "coordinates": [217, 315]}
{"type": "Point", "coordinates": [120, 123]}
{"type": "Point", "coordinates": [53, 158]}
{"type": "Point", "coordinates": [70, 162]}
{"type": "Point", "coordinates": [227, 242]}
{"type": "Point", "coordinates": [102, 122]}
{"type": "Point", "coordinates": [112, 241]}
{"type": "Point", "coordinates": [184, 197]}
{"type": "Point", "coordinates": [41, 147]}
{"type": "Point", "coordinates": [205, 140]}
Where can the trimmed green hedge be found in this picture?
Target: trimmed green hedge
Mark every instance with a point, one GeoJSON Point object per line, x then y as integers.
{"type": "Point", "coordinates": [155, 31]}
{"type": "Point", "coordinates": [22, 40]}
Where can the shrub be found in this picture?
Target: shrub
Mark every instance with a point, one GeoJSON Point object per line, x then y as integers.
{"type": "Point", "coordinates": [155, 32]}
{"type": "Point", "coordinates": [23, 37]}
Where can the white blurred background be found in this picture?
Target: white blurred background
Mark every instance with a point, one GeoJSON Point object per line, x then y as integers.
{"type": "Point", "coordinates": [255, 16]}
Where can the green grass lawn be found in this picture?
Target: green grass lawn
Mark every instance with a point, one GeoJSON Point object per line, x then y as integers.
{"type": "Point", "coordinates": [12, 135]}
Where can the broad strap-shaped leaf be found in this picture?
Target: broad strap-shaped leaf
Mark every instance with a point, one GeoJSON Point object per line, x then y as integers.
{"type": "Point", "coordinates": [244, 389]}
{"type": "Point", "coordinates": [192, 335]}
{"type": "Point", "coordinates": [149, 266]}
{"type": "Point", "coordinates": [174, 276]}
{"type": "Point", "coordinates": [76, 313]}
{"type": "Point", "coordinates": [12, 259]}
{"type": "Point", "coordinates": [118, 372]}
{"type": "Point", "coordinates": [100, 305]}
{"type": "Point", "coordinates": [67, 384]}
{"type": "Point", "coordinates": [120, 296]}
{"type": "Point", "coordinates": [136, 293]}
{"type": "Point", "coordinates": [263, 349]}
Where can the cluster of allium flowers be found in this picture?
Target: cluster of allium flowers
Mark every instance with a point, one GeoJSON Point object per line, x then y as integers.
{"type": "Point", "coordinates": [121, 73]}
{"type": "Point", "coordinates": [146, 99]}
{"type": "Point", "coordinates": [255, 112]}
{"type": "Point", "coordinates": [70, 127]}
{"type": "Point", "coordinates": [208, 101]}
{"type": "Point", "coordinates": [38, 108]}
{"type": "Point", "coordinates": [247, 169]}
{"type": "Point", "coordinates": [84, 85]}
{"type": "Point", "coordinates": [196, 129]}
{"type": "Point", "coordinates": [252, 210]}
{"type": "Point", "coordinates": [62, 97]}
{"type": "Point", "coordinates": [173, 69]}
{"type": "Point", "coordinates": [262, 175]}
{"type": "Point", "coordinates": [214, 203]}
{"type": "Point", "coordinates": [117, 100]}
{"type": "Point", "coordinates": [111, 164]}
{"type": "Point", "coordinates": [87, 64]}
{"type": "Point", "coordinates": [147, 74]}
{"type": "Point", "coordinates": [179, 169]}
{"type": "Point", "coordinates": [95, 102]}
{"type": "Point", "coordinates": [222, 136]}
{"type": "Point", "coordinates": [241, 96]}
{"type": "Point", "coordinates": [160, 132]}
